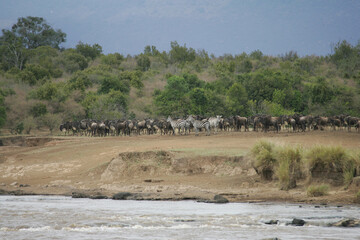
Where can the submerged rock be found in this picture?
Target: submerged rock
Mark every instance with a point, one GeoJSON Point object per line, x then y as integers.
{"type": "Point", "coordinates": [220, 199]}
{"type": "Point", "coordinates": [346, 223]}
{"type": "Point", "coordinates": [216, 199]}
{"type": "Point", "coordinates": [123, 196]}
{"type": "Point", "coordinates": [79, 195]}
{"type": "Point", "coordinates": [272, 222]}
{"type": "Point", "coordinates": [99, 197]}
{"type": "Point", "coordinates": [297, 222]}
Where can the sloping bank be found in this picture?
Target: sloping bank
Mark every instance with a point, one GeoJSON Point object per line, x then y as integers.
{"type": "Point", "coordinates": [269, 173]}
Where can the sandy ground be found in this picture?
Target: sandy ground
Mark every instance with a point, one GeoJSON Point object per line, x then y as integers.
{"type": "Point", "coordinates": [158, 167]}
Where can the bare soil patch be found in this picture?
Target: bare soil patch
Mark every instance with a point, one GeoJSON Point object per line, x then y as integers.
{"type": "Point", "coordinates": [159, 167]}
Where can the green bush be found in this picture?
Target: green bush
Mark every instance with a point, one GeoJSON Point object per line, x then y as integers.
{"type": "Point", "coordinates": [50, 121]}
{"type": "Point", "coordinates": [113, 59]}
{"type": "Point", "coordinates": [326, 156]}
{"type": "Point", "coordinates": [357, 197]}
{"type": "Point", "coordinates": [265, 160]}
{"type": "Point", "coordinates": [317, 190]}
{"type": "Point", "coordinates": [330, 163]}
{"type": "Point", "coordinates": [109, 83]}
{"type": "Point", "coordinates": [18, 129]}
{"type": "Point", "coordinates": [89, 51]}
{"type": "Point", "coordinates": [29, 124]}
{"type": "Point", "coordinates": [74, 61]}
{"type": "Point", "coordinates": [79, 81]}
{"type": "Point", "coordinates": [2, 109]}
{"type": "Point", "coordinates": [38, 110]}
{"type": "Point", "coordinates": [289, 166]}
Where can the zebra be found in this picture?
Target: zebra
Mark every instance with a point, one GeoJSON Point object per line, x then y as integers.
{"type": "Point", "coordinates": [214, 122]}
{"type": "Point", "coordinates": [199, 125]}
{"type": "Point", "coordinates": [179, 124]}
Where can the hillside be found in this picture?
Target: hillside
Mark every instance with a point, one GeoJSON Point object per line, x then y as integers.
{"type": "Point", "coordinates": [43, 85]}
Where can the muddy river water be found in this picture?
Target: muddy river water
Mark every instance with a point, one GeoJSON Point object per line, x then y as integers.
{"type": "Point", "coordinates": [58, 217]}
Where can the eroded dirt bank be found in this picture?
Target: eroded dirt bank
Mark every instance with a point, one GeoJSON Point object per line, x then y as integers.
{"type": "Point", "coordinates": [158, 167]}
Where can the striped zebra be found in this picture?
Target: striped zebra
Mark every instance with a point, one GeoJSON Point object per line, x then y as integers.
{"type": "Point", "coordinates": [197, 124]}
{"type": "Point", "coordinates": [214, 123]}
{"type": "Point", "coordinates": [179, 124]}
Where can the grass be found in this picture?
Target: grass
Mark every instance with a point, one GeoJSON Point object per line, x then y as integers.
{"type": "Point", "coordinates": [263, 153]}
{"type": "Point", "coordinates": [289, 166]}
{"type": "Point", "coordinates": [332, 160]}
{"type": "Point", "coordinates": [357, 197]}
{"type": "Point", "coordinates": [317, 190]}
{"type": "Point", "coordinates": [327, 157]}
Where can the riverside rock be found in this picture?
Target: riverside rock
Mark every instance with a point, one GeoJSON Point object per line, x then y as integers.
{"type": "Point", "coordinates": [347, 223]}
{"type": "Point", "coordinates": [297, 222]}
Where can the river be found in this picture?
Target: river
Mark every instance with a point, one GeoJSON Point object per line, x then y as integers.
{"type": "Point", "coordinates": [58, 217]}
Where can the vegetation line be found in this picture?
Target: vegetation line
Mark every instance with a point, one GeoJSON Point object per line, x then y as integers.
{"type": "Point", "coordinates": [43, 84]}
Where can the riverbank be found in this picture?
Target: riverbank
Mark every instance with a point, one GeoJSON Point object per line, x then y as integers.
{"type": "Point", "coordinates": [159, 167]}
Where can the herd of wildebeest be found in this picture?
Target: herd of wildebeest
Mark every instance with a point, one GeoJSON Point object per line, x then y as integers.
{"type": "Point", "coordinates": [294, 123]}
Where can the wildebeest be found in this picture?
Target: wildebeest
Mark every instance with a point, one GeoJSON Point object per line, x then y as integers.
{"type": "Point", "coordinates": [335, 122]}
{"type": "Point", "coordinates": [351, 121]}
{"type": "Point", "coordinates": [291, 122]}
{"type": "Point", "coordinates": [241, 121]}
{"type": "Point", "coordinates": [305, 122]}
{"type": "Point", "coordinates": [321, 122]}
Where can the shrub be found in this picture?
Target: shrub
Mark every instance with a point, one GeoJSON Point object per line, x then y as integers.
{"type": "Point", "coordinates": [51, 121]}
{"type": "Point", "coordinates": [330, 162]}
{"type": "Point", "coordinates": [29, 124]}
{"type": "Point", "coordinates": [79, 81]}
{"type": "Point", "coordinates": [264, 163]}
{"type": "Point", "coordinates": [357, 197]}
{"type": "Point", "coordinates": [112, 59]}
{"type": "Point", "coordinates": [18, 129]}
{"type": "Point", "coordinates": [289, 166]}
{"type": "Point", "coordinates": [38, 110]}
{"type": "Point", "coordinates": [351, 168]}
{"type": "Point", "coordinates": [318, 190]}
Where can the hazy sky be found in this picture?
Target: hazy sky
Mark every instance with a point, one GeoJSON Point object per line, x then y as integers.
{"type": "Point", "coordinates": [218, 26]}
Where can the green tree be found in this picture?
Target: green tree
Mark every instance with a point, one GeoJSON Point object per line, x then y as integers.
{"type": "Point", "coordinates": [236, 100]}
{"type": "Point", "coordinates": [46, 57]}
{"type": "Point", "coordinates": [320, 92]}
{"type": "Point", "coordinates": [181, 54]}
{"type": "Point", "coordinates": [346, 58]}
{"type": "Point", "coordinates": [12, 51]}
{"type": "Point", "coordinates": [38, 110]}
{"type": "Point", "coordinates": [2, 109]}
{"type": "Point", "coordinates": [257, 54]}
{"type": "Point", "coordinates": [117, 101]}
{"type": "Point", "coordinates": [279, 97]}
{"type": "Point", "coordinates": [133, 77]}
{"type": "Point", "coordinates": [114, 82]}
{"type": "Point", "coordinates": [34, 73]}
{"type": "Point", "coordinates": [172, 100]}
{"type": "Point", "coordinates": [89, 100]}
{"type": "Point", "coordinates": [35, 32]}
{"type": "Point", "coordinates": [89, 51]}
{"type": "Point", "coordinates": [74, 61]}
{"type": "Point", "coordinates": [80, 81]}
{"type": "Point", "coordinates": [198, 101]}
{"type": "Point", "coordinates": [151, 51]}
{"type": "Point", "coordinates": [51, 121]}
{"type": "Point", "coordinates": [50, 91]}
{"type": "Point", "coordinates": [143, 62]}
{"type": "Point", "coordinates": [112, 59]}
{"type": "Point", "coordinates": [261, 85]}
